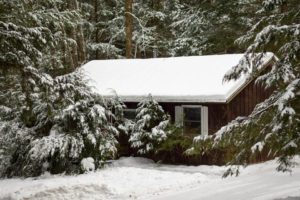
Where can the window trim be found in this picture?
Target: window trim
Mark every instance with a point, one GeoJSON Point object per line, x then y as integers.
{"type": "Point", "coordinates": [203, 119]}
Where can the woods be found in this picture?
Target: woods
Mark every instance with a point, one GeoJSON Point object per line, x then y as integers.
{"type": "Point", "coordinates": [50, 119]}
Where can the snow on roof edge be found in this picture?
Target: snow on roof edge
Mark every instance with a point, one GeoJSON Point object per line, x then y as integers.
{"type": "Point", "coordinates": [246, 80]}
{"type": "Point", "coordinates": [175, 99]}
{"type": "Point", "coordinates": [193, 98]}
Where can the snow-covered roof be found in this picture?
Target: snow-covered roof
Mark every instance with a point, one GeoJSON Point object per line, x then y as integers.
{"type": "Point", "coordinates": [174, 79]}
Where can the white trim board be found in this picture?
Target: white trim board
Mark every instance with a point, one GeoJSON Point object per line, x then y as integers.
{"type": "Point", "coordinates": [179, 116]}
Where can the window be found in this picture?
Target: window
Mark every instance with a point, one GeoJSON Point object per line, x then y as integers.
{"type": "Point", "coordinates": [129, 113]}
{"type": "Point", "coordinates": [194, 119]}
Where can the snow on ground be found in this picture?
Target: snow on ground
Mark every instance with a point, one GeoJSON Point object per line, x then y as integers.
{"type": "Point", "coordinates": [138, 178]}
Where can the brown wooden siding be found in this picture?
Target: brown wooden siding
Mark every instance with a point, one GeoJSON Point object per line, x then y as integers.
{"type": "Point", "coordinates": [244, 103]}
{"type": "Point", "coordinates": [219, 114]}
{"type": "Point", "coordinates": [216, 113]}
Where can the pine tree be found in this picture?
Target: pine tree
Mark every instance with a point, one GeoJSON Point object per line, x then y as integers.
{"type": "Point", "coordinates": [71, 123]}
{"type": "Point", "coordinates": [151, 33]}
{"type": "Point", "coordinates": [150, 126]}
{"type": "Point", "coordinates": [273, 126]}
{"type": "Point", "coordinates": [52, 119]}
{"type": "Point", "coordinates": [209, 27]}
{"type": "Point", "coordinates": [104, 28]}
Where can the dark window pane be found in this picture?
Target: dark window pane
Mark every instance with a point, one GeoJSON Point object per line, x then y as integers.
{"type": "Point", "coordinates": [192, 121]}
{"type": "Point", "coordinates": [193, 114]}
{"type": "Point", "coordinates": [129, 114]}
{"type": "Point", "coordinates": [192, 128]}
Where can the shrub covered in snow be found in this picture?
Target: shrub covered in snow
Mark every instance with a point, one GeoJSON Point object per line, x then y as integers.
{"type": "Point", "coordinates": [150, 126]}
{"type": "Point", "coordinates": [13, 136]}
{"type": "Point", "coordinates": [81, 130]}
{"type": "Point", "coordinates": [49, 120]}
{"type": "Point", "coordinates": [172, 150]}
{"type": "Point", "coordinates": [70, 123]}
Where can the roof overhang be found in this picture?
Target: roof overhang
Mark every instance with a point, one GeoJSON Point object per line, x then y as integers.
{"type": "Point", "coordinates": [175, 99]}
{"type": "Point", "coordinates": [270, 61]}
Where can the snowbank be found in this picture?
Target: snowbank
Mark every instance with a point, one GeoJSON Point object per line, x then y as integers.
{"type": "Point", "coordinates": [139, 178]}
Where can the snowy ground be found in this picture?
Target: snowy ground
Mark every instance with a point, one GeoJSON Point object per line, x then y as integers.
{"type": "Point", "coordinates": [137, 178]}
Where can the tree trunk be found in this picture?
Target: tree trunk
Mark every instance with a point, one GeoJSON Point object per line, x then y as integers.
{"type": "Point", "coordinates": [97, 54]}
{"type": "Point", "coordinates": [128, 27]}
{"type": "Point", "coordinates": [81, 45]}
{"type": "Point", "coordinates": [284, 7]}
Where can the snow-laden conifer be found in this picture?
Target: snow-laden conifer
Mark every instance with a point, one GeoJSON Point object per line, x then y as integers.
{"type": "Point", "coordinates": [49, 118]}
{"type": "Point", "coordinates": [273, 126]}
{"type": "Point", "coordinates": [150, 126]}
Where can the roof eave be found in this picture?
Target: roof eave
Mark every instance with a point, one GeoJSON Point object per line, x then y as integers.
{"type": "Point", "coordinates": [175, 99]}
{"type": "Point", "coordinates": [231, 96]}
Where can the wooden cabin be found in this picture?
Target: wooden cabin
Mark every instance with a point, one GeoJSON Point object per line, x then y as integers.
{"type": "Point", "coordinates": [190, 89]}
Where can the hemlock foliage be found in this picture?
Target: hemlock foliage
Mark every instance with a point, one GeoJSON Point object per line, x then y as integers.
{"type": "Point", "coordinates": [49, 120]}
{"type": "Point", "coordinates": [150, 127]}
{"type": "Point", "coordinates": [273, 128]}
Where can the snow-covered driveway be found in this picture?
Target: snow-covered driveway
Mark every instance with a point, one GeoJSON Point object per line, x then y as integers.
{"type": "Point", "coordinates": [137, 178]}
{"type": "Point", "coordinates": [258, 182]}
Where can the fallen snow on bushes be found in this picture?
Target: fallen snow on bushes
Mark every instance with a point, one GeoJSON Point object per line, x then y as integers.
{"type": "Point", "coordinates": [138, 178]}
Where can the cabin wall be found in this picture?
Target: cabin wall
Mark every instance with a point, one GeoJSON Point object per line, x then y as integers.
{"type": "Point", "coordinates": [244, 103]}
{"type": "Point", "coordinates": [217, 116]}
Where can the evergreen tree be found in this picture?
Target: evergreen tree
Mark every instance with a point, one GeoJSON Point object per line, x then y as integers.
{"type": "Point", "coordinates": [209, 27]}
{"type": "Point", "coordinates": [273, 126]}
{"type": "Point", "coordinates": [151, 32]}
{"type": "Point", "coordinates": [52, 120]}
{"type": "Point", "coordinates": [150, 126]}
{"type": "Point", "coordinates": [104, 28]}
{"type": "Point", "coordinates": [105, 31]}
{"type": "Point", "coordinates": [73, 124]}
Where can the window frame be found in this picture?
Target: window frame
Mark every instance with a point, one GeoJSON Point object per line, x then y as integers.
{"type": "Point", "coordinates": [191, 121]}
{"type": "Point", "coordinates": [203, 118]}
